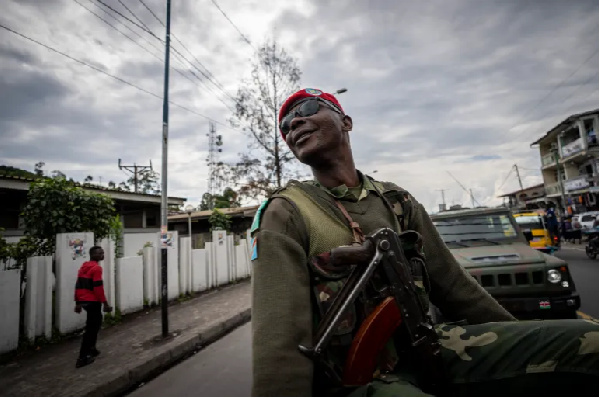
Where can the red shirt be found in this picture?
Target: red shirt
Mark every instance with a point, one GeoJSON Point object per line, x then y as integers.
{"type": "Point", "coordinates": [89, 286]}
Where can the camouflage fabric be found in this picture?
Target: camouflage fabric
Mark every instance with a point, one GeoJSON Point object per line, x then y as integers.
{"type": "Point", "coordinates": [524, 358]}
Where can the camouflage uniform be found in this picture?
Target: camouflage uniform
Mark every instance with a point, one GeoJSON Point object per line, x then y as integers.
{"type": "Point", "coordinates": [292, 288]}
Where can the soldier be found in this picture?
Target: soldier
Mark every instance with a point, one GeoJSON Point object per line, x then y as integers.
{"type": "Point", "coordinates": [486, 352]}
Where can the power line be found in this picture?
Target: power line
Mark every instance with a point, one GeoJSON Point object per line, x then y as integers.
{"type": "Point", "coordinates": [145, 29]}
{"type": "Point", "coordinates": [215, 82]}
{"type": "Point", "coordinates": [134, 16]}
{"type": "Point", "coordinates": [152, 12]}
{"type": "Point", "coordinates": [232, 24]}
{"type": "Point", "coordinates": [132, 40]}
{"type": "Point", "coordinates": [130, 20]}
{"type": "Point", "coordinates": [115, 28]}
{"type": "Point", "coordinates": [182, 45]}
{"type": "Point", "coordinates": [506, 178]}
{"type": "Point", "coordinates": [555, 88]}
{"type": "Point", "coordinates": [126, 26]}
{"type": "Point", "coordinates": [111, 76]}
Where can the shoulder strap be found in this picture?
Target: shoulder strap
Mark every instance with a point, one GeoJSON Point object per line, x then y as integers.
{"type": "Point", "coordinates": [357, 233]}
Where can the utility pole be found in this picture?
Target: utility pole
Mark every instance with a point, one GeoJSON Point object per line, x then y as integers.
{"type": "Point", "coordinates": [135, 169]}
{"type": "Point", "coordinates": [163, 207]}
{"type": "Point", "coordinates": [560, 185]}
{"type": "Point", "coordinates": [518, 176]}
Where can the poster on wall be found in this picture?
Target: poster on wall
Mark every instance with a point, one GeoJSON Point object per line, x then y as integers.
{"type": "Point", "coordinates": [76, 247]}
{"type": "Point", "coordinates": [166, 238]}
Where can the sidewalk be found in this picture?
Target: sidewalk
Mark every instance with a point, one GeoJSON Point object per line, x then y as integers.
{"type": "Point", "coordinates": [132, 351]}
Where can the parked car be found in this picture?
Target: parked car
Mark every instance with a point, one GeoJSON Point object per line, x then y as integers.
{"type": "Point", "coordinates": [489, 244]}
{"type": "Point", "coordinates": [584, 220]}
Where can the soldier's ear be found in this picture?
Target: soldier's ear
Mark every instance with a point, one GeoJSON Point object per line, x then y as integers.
{"type": "Point", "coordinates": [346, 123]}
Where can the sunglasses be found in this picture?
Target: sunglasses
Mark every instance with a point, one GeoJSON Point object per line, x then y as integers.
{"type": "Point", "coordinates": [308, 107]}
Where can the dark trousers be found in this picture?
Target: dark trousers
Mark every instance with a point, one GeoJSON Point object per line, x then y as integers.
{"type": "Point", "coordinates": [92, 326]}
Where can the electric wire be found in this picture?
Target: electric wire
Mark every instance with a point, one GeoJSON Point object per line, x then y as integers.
{"type": "Point", "coordinates": [111, 75]}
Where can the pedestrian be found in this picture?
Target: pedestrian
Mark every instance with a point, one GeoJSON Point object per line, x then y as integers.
{"type": "Point", "coordinates": [89, 296]}
{"type": "Point", "coordinates": [485, 351]}
{"type": "Point", "coordinates": [552, 224]}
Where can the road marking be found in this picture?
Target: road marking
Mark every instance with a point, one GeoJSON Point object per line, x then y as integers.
{"type": "Point", "coordinates": [586, 316]}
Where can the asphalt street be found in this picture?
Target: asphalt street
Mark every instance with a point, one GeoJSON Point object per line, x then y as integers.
{"type": "Point", "coordinates": [585, 275]}
{"type": "Point", "coordinates": [224, 368]}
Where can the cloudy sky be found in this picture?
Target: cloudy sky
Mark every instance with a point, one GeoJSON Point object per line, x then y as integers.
{"type": "Point", "coordinates": [434, 88]}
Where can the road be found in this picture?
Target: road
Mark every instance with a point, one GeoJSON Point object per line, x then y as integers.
{"type": "Point", "coordinates": [224, 368]}
{"type": "Point", "coordinates": [585, 274]}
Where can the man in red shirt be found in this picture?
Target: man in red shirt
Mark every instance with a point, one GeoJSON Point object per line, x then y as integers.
{"type": "Point", "coordinates": [89, 295]}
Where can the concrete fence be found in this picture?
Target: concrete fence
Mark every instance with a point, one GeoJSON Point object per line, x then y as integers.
{"type": "Point", "coordinates": [129, 282]}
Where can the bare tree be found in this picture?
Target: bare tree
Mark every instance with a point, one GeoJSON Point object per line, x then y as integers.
{"type": "Point", "coordinates": [275, 75]}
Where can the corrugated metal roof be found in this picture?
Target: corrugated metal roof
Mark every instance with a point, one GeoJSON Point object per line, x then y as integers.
{"type": "Point", "coordinates": [87, 185]}
{"type": "Point", "coordinates": [248, 211]}
{"type": "Point", "coordinates": [565, 123]}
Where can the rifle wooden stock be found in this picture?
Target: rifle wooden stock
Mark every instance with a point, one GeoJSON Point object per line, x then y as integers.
{"type": "Point", "coordinates": [374, 333]}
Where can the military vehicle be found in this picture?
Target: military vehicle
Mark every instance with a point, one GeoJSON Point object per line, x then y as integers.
{"type": "Point", "coordinates": [489, 244]}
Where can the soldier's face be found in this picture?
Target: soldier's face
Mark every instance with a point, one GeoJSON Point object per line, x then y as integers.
{"type": "Point", "coordinates": [311, 137]}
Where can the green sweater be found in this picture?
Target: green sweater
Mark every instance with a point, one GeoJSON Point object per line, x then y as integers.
{"type": "Point", "coordinates": [281, 289]}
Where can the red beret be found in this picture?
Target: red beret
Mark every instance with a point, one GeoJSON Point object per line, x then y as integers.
{"type": "Point", "coordinates": [305, 93]}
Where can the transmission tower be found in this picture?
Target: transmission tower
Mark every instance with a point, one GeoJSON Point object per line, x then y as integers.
{"type": "Point", "coordinates": [215, 141]}
{"type": "Point", "coordinates": [135, 169]}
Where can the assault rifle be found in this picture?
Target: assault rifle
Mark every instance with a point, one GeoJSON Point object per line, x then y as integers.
{"type": "Point", "coordinates": [401, 308]}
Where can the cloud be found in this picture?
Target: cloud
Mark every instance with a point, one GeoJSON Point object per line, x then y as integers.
{"type": "Point", "coordinates": [462, 86]}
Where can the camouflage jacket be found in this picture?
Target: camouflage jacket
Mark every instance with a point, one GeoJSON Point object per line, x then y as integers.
{"type": "Point", "coordinates": [289, 296]}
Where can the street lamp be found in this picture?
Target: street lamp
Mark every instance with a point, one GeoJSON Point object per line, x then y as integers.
{"type": "Point", "coordinates": [189, 209]}
{"type": "Point", "coordinates": [340, 91]}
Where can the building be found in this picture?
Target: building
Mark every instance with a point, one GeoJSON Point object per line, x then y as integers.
{"type": "Point", "coordinates": [569, 158]}
{"type": "Point", "coordinates": [533, 197]}
{"type": "Point", "coordinates": [140, 213]}
{"type": "Point", "coordinates": [241, 220]}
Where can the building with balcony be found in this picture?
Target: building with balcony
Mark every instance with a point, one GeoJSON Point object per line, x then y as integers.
{"type": "Point", "coordinates": [533, 197]}
{"type": "Point", "coordinates": [569, 158]}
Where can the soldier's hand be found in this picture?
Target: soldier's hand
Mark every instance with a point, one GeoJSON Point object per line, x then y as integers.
{"type": "Point", "coordinates": [77, 308]}
{"type": "Point", "coordinates": [107, 308]}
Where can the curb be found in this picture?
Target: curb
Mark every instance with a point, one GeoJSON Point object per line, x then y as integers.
{"type": "Point", "coordinates": [128, 380]}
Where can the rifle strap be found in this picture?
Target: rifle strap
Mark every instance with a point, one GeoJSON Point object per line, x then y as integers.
{"type": "Point", "coordinates": [357, 232]}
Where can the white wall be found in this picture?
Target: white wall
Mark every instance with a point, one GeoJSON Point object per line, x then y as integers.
{"type": "Point", "coordinates": [108, 270]}
{"type": "Point", "coordinates": [199, 270]}
{"type": "Point", "coordinates": [210, 265]}
{"type": "Point", "coordinates": [38, 297]}
{"type": "Point", "coordinates": [231, 266]}
{"type": "Point", "coordinates": [134, 242]}
{"type": "Point", "coordinates": [220, 251]}
{"type": "Point", "coordinates": [10, 281]}
{"type": "Point", "coordinates": [185, 265]}
{"type": "Point", "coordinates": [67, 266]}
{"type": "Point", "coordinates": [150, 276]}
{"type": "Point", "coordinates": [130, 284]}
{"type": "Point", "coordinates": [172, 267]}
{"type": "Point", "coordinates": [242, 260]}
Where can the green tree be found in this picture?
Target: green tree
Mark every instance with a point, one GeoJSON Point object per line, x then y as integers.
{"type": "Point", "coordinates": [206, 203]}
{"type": "Point", "coordinates": [57, 206]}
{"type": "Point", "coordinates": [38, 168]}
{"type": "Point", "coordinates": [219, 221]}
{"type": "Point", "coordinates": [12, 171]}
{"type": "Point", "coordinates": [275, 75]}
